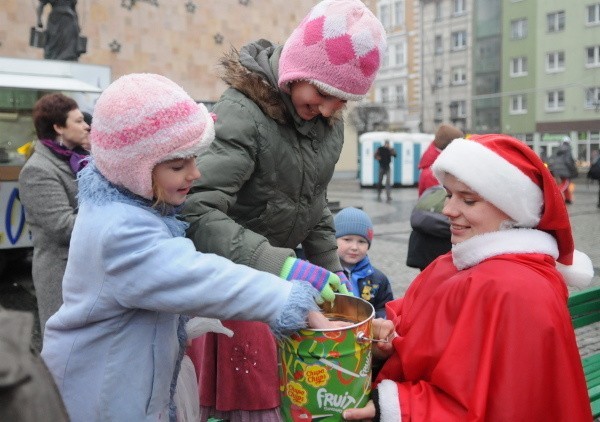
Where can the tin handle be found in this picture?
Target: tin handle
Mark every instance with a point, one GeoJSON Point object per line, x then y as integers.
{"type": "Point", "coordinates": [362, 338]}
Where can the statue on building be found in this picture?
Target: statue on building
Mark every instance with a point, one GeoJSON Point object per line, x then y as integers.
{"type": "Point", "coordinates": [62, 40]}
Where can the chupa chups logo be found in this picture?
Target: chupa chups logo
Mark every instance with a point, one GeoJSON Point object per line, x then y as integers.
{"type": "Point", "coordinates": [316, 376]}
{"type": "Point", "coordinates": [297, 394]}
{"type": "Point", "coordinates": [328, 400]}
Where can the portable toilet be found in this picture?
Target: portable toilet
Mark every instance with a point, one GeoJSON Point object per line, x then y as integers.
{"type": "Point", "coordinates": [404, 168]}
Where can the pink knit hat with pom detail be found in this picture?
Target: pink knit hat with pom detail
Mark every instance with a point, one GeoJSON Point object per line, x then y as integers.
{"type": "Point", "coordinates": [141, 120]}
{"type": "Point", "coordinates": [338, 47]}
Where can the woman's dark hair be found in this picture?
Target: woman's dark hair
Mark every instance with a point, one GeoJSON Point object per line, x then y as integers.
{"type": "Point", "coordinates": [50, 110]}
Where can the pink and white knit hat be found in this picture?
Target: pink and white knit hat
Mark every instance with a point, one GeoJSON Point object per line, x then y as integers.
{"type": "Point", "coordinates": [141, 120]}
{"type": "Point", "coordinates": [338, 47]}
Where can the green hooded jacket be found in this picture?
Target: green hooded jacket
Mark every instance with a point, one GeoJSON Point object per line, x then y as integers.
{"type": "Point", "coordinates": [263, 189]}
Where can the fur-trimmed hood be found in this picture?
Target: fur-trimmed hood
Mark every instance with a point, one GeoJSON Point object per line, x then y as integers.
{"type": "Point", "coordinates": [253, 71]}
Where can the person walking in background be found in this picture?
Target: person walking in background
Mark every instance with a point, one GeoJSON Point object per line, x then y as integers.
{"type": "Point", "coordinates": [354, 234]}
{"type": "Point", "coordinates": [594, 171]}
{"type": "Point", "coordinates": [563, 167]}
{"type": "Point", "coordinates": [48, 190]}
{"type": "Point", "coordinates": [263, 192]}
{"type": "Point", "coordinates": [484, 333]}
{"type": "Point", "coordinates": [443, 136]}
{"type": "Point", "coordinates": [384, 155]}
{"type": "Point", "coordinates": [115, 345]}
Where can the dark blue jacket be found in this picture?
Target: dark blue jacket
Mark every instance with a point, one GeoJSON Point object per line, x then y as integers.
{"type": "Point", "coordinates": [373, 285]}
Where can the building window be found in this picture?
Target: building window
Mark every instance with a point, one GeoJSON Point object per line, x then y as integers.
{"type": "Point", "coordinates": [518, 29]}
{"type": "Point", "coordinates": [593, 14]}
{"type": "Point", "coordinates": [400, 54]}
{"type": "Point", "coordinates": [459, 40]}
{"type": "Point", "coordinates": [400, 96]}
{"type": "Point", "coordinates": [556, 21]}
{"type": "Point", "coordinates": [385, 15]}
{"type": "Point", "coordinates": [399, 13]}
{"type": "Point", "coordinates": [438, 112]}
{"type": "Point", "coordinates": [438, 10]}
{"type": "Point", "coordinates": [518, 66]}
{"type": "Point", "coordinates": [593, 56]}
{"type": "Point", "coordinates": [384, 95]}
{"type": "Point", "coordinates": [439, 47]}
{"type": "Point", "coordinates": [555, 61]}
{"type": "Point", "coordinates": [592, 97]}
{"type": "Point", "coordinates": [439, 78]}
{"type": "Point", "coordinates": [555, 100]}
{"type": "Point", "coordinates": [461, 111]}
{"type": "Point", "coordinates": [386, 58]}
{"type": "Point", "coordinates": [459, 75]}
{"type": "Point", "coordinates": [518, 104]}
{"type": "Point", "coordinates": [459, 7]}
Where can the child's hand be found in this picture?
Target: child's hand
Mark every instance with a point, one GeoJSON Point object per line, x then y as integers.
{"type": "Point", "coordinates": [366, 413]}
{"type": "Point", "coordinates": [345, 286]}
{"type": "Point", "coordinates": [324, 281]}
{"type": "Point", "coordinates": [319, 321]}
{"type": "Point", "coordinates": [383, 329]}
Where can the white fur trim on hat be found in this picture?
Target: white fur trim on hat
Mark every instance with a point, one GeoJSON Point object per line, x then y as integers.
{"type": "Point", "coordinates": [580, 273]}
{"type": "Point", "coordinates": [492, 177]}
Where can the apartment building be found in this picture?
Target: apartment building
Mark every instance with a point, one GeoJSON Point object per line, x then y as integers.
{"type": "Point", "coordinates": [447, 70]}
{"type": "Point", "coordinates": [551, 73]}
{"type": "Point", "coordinates": [398, 84]}
{"type": "Point", "coordinates": [487, 66]}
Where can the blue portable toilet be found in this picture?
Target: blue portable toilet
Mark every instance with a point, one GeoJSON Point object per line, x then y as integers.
{"type": "Point", "coordinates": [404, 168]}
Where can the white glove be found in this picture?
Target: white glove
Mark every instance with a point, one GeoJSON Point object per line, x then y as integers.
{"type": "Point", "coordinates": [197, 326]}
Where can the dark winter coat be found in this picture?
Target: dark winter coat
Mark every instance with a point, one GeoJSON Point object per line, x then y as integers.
{"type": "Point", "coordinates": [373, 285]}
{"type": "Point", "coordinates": [430, 236]}
{"type": "Point", "coordinates": [27, 389]}
{"type": "Point", "coordinates": [263, 189]}
{"type": "Point", "coordinates": [562, 163]}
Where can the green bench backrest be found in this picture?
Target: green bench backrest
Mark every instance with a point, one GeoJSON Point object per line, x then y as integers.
{"type": "Point", "coordinates": [584, 307]}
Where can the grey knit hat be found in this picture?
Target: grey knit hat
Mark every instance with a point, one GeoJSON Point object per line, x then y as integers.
{"type": "Point", "coordinates": [353, 221]}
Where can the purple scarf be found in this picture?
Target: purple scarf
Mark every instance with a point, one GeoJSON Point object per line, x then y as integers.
{"type": "Point", "coordinates": [76, 157]}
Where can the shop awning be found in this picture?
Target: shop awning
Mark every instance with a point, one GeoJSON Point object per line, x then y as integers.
{"type": "Point", "coordinates": [45, 83]}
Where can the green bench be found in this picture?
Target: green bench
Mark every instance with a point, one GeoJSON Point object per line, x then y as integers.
{"type": "Point", "coordinates": [584, 307]}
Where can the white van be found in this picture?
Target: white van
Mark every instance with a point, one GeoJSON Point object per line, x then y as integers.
{"type": "Point", "coordinates": [22, 83]}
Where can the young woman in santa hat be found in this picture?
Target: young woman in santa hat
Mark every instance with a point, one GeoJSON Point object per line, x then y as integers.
{"type": "Point", "coordinates": [484, 333]}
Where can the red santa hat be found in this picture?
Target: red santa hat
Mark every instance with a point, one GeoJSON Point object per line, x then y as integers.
{"type": "Point", "coordinates": [510, 175]}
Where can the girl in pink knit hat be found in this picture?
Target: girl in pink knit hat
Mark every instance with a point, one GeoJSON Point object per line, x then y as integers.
{"type": "Point", "coordinates": [264, 191]}
{"type": "Point", "coordinates": [484, 332]}
{"type": "Point", "coordinates": [132, 278]}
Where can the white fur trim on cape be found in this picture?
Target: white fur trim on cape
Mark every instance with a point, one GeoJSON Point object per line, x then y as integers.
{"type": "Point", "coordinates": [478, 248]}
{"type": "Point", "coordinates": [389, 401]}
{"type": "Point", "coordinates": [492, 177]}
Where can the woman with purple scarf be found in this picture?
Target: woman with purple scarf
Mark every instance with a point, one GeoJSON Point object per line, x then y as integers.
{"type": "Point", "coordinates": [48, 191]}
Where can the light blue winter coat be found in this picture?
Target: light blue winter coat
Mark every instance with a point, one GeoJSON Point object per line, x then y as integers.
{"type": "Point", "coordinates": [112, 347]}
